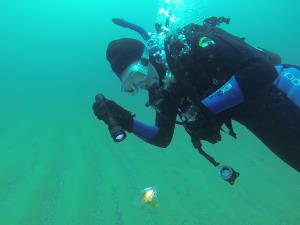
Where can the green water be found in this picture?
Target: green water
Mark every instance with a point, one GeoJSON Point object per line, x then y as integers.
{"type": "Point", "coordinates": [58, 164]}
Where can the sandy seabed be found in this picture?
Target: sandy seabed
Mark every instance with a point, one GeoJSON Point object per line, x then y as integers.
{"type": "Point", "coordinates": [60, 167]}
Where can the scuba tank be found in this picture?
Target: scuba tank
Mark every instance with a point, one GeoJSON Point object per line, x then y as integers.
{"type": "Point", "coordinates": [272, 57]}
{"type": "Point", "coordinates": [211, 25]}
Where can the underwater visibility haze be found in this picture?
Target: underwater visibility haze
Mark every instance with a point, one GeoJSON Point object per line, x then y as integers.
{"type": "Point", "coordinates": [58, 163]}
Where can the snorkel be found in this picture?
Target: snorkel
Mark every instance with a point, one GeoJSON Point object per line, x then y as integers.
{"type": "Point", "coordinates": [149, 38]}
{"type": "Point", "coordinates": [123, 23]}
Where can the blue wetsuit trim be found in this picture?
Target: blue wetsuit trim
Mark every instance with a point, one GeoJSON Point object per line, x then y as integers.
{"type": "Point", "coordinates": [288, 81]}
{"type": "Point", "coordinates": [229, 95]}
{"type": "Point", "coordinates": [144, 131]}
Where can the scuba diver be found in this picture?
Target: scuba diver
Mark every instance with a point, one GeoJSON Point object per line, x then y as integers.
{"type": "Point", "coordinates": [207, 77]}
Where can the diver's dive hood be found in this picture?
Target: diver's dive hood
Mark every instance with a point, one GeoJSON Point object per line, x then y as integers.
{"type": "Point", "coordinates": [123, 52]}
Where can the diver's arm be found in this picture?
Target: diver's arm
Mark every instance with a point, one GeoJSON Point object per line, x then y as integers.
{"type": "Point", "coordinates": [166, 131]}
{"type": "Point", "coordinates": [254, 76]}
{"type": "Point", "coordinates": [159, 135]}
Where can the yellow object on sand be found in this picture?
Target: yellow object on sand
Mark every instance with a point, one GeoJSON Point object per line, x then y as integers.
{"type": "Point", "coordinates": [149, 196]}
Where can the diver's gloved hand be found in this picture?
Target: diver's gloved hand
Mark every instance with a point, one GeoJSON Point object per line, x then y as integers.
{"type": "Point", "coordinates": [109, 108]}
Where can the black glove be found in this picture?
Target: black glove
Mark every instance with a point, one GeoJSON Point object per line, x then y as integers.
{"type": "Point", "coordinates": [108, 108]}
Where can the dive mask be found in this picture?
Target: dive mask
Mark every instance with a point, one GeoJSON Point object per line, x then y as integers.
{"type": "Point", "coordinates": [136, 75]}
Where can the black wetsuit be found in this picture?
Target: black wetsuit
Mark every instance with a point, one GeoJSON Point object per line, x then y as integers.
{"type": "Point", "coordinates": [202, 61]}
